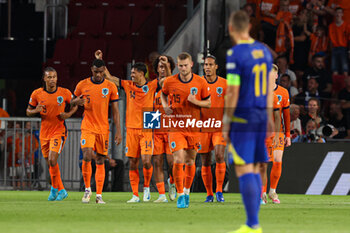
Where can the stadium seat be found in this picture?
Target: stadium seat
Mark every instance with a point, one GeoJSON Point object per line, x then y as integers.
{"type": "Point", "coordinates": [88, 48]}
{"type": "Point", "coordinates": [140, 14]}
{"type": "Point", "coordinates": [66, 51]}
{"type": "Point", "coordinates": [90, 23]}
{"type": "Point", "coordinates": [338, 83]}
{"type": "Point", "coordinates": [74, 9]}
{"type": "Point", "coordinates": [118, 23]}
{"type": "Point", "coordinates": [113, 3]}
{"type": "Point", "coordinates": [119, 50]}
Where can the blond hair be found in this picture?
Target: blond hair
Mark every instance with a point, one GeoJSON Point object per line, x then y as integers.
{"type": "Point", "coordinates": [239, 20]}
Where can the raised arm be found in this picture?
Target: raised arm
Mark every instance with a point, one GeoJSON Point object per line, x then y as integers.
{"type": "Point", "coordinates": [107, 74]}
{"type": "Point", "coordinates": [116, 120]}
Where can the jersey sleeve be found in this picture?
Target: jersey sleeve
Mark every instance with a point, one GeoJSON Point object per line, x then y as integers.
{"type": "Point", "coordinates": [77, 91]}
{"type": "Point", "coordinates": [69, 96]}
{"type": "Point", "coordinates": [33, 101]}
{"type": "Point", "coordinates": [233, 69]}
{"type": "Point", "coordinates": [276, 104]}
{"type": "Point", "coordinates": [123, 84]}
{"type": "Point", "coordinates": [205, 94]}
{"type": "Point", "coordinates": [165, 88]}
{"type": "Point", "coordinates": [114, 94]}
{"type": "Point", "coordinates": [285, 100]}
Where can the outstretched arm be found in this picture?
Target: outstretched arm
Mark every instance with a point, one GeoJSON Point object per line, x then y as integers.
{"type": "Point", "coordinates": [107, 74]}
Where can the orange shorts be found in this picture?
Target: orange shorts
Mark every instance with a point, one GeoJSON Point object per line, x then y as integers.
{"type": "Point", "coordinates": [54, 144]}
{"type": "Point", "coordinates": [161, 144]}
{"type": "Point", "coordinates": [138, 142]}
{"type": "Point", "coordinates": [271, 148]}
{"type": "Point", "coordinates": [99, 142]}
{"type": "Point", "coordinates": [184, 140]}
{"type": "Point", "coordinates": [209, 140]}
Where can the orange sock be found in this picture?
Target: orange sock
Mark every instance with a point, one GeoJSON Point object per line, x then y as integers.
{"type": "Point", "coordinates": [100, 177]}
{"type": "Point", "coordinates": [207, 178]}
{"type": "Point", "coordinates": [53, 175]}
{"type": "Point", "coordinates": [171, 179]}
{"type": "Point", "coordinates": [147, 176]}
{"type": "Point", "coordinates": [275, 175]}
{"type": "Point", "coordinates": [161, 188]}
{"type": "Point", "coordinates": [220, 172]}
{"type": "Point", "coordinates": [190, 171]}
{"type": "Point", "coordinates": [264, 187]}
{"type": "Point", "coordinates": [178, 173]}
{"type": "Point", "coordinates": [60, 183]}
{"type": "Point", "coordinates": [134, 177]}
{"type": "Point", "coordinates": [87, 171]}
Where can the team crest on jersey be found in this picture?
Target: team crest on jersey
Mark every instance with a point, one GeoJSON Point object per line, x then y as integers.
{"type": "Point", "coordinates": [105, 92]}
{"type": "Point", "coordinates": [219, 90]}
{"type": "Point", "coordinates": [173, 145]}
{"type": "Point", "coordinates": [126, 150]}
{"type": "Point", "coordinates": [83, 142]}
{"type": "Point", "coordinates": [279, 98]}
{"type": "Point", "coordinates": [199, 147]}
{"type": "Point", "coordinates": [194, 90]}
{"type": "Point", "coordinates": [59, 100]}
{"type": "Point", "coordinates": [145, 89]}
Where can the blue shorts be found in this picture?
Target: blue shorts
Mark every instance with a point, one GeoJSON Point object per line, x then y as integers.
{"type": "Point", "coordinates": [248, 143]}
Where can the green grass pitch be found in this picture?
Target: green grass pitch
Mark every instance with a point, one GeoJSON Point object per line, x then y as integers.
{"type": "Point", "coordinates": [25, 211]}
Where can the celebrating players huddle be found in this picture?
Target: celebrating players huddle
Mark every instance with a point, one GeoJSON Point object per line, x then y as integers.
{"type": "Point", "coordinates": [244, 101]}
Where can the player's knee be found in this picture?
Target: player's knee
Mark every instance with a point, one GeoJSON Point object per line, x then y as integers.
{"type": "Point", "coordinates": [147, 164]}
{"type": "Point", "coordinates": [52, 162]}
{"type": "Point", "coordinates": [219, 157]}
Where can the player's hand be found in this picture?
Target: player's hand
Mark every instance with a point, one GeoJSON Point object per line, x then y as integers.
{"type": "Point", "coordinates": [287, 142]}
{"type": "Point", "coordinates": [168, 110]}
{"type": "Point", "coordinates": [39, 108]}
{"type": "Point", "coordinates": [163, 59]}
{"type": "Point", "coordinates": [63, 116]}
{"type": "Point", "coordinates": [270, 127]}
{"type": "Point", "coordinates": [112, 163]}
{"type": "Point", "coordinates": [98, 54]}
{"type": "Point", "coordinates": [192, 98]}
{"type": "Point", "coordinates": [118, 137]}
{"type": "Point", "coordinates": [80, 100]}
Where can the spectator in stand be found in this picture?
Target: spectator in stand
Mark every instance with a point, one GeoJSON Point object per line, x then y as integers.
{"type": "Point", "coordinates": [319, 42]}
{"type": "Point", "coordinates": [303, 98]}
{"type": "Point", "coordinates": [282, 64]}
{"type": "Point", "coordinates": [318, 72]}
{"type": "Point", "coordinates": [301, 43]}
{"type": "Point", "coordinates": [295, 7]}
{"type": "Point", "coordinates": [344, 97]}
{"type": "Point", "coordinates": [332, 5]}
{"type": "Point", "coordinates": [285, 81]}
{"type": "Point", "coordinates": [295, 123]}
{"type": "Point", "coordinates": [339, 33]}
{"type": "Point", "coordinates": [313, 112]}
{"type": "Point", "coordinates": [337, 119]}
{"type": "Point", "coordinates": [310, 133]}
{"type": "Point", "coordinates": [269, 9]}
{"type": "Point", "coordinates": [150, 75]}
{"type": "Point", "coordinates": [284, 35]}
{"type": "Point", "coordinates": [318, 15]}
{"type": "Point", "coordinates": [255, 30]}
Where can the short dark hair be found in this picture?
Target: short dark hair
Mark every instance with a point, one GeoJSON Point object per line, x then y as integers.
{"type": "Point", "coordinates": [286, 75]}
{"type": "Point", "coordinates": [98, 63]}
{"type": "Point", "coordinates": [140, 66]}
{"type": "Point", "coordinates": [156, 62]}
{"type": "Point", "coordinates": [339, 8]}
{"type": "Point", "coordinates": [48, 69]}
{"type": "Point", "coordinates": [212, 57]}
{"type": "Point", "coordinates": [317, 55]}
{"type": "Point", "coordinates": [283, 56]}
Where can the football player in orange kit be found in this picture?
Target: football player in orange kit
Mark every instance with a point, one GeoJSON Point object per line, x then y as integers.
{"type": "Point", "coordinates": [189, 93]}
{"type": "Point", "coordinates": [283, 141]}
{"type": "Point", "coordinates": [50, 102]}
{"type": "Point", "coordinates": [163, 65]}
{"type": "Point", "coordinates": [212, 139]}
{"type": "Point", "coordinates": [95, 94]}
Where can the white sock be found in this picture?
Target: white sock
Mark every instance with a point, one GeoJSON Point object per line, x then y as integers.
{"type": "Point", "coordinates": [98, 195]}
{"type": "Point", "coordinates": [272, 190]}
{"type": "Point", "coordinates": [88, 189]}
{"type": "Point", "coordinates": [161, 195]}
{"type": "Point", "coordinates": [186, 191]}
{"type": "Point", "coordinates": [180, 194]}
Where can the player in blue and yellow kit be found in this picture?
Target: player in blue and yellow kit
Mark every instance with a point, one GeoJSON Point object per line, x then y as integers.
{"type": "Point", "coordinates": [248, 113]}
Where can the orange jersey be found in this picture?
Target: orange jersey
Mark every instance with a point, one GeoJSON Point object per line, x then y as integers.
{"type": "Point", "coordinates": [271, 6]}
{"type": "Point", "coordinates": [54, 103]}
{"type": "Point", "coordinates": [98, 96]}
{"type": "Point", "coordinates": [217, 91]}
{"type": "Point", "coordinates": [339, 35]}
{"type": "Point", "coordinates": [178, 91]}
{"type": "Point", "coordinates": [318, 44]}
{"type": "Point", "coordinates": [138, 100]}
{"type": "Point", "coordinates": [283, 100]}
